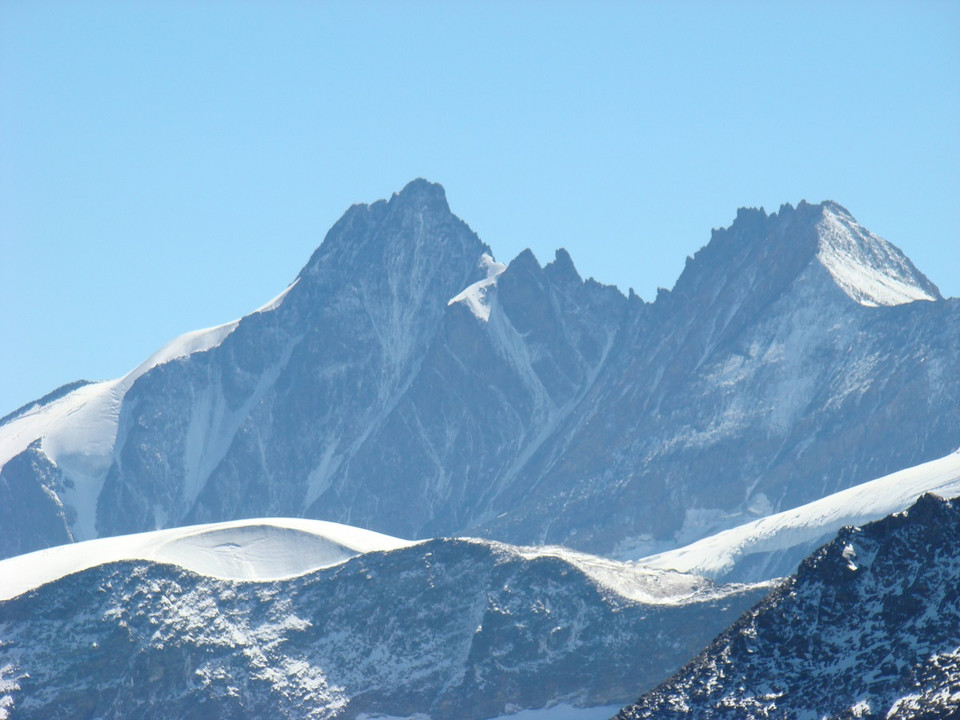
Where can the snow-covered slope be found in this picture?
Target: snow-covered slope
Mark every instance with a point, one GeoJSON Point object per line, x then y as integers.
{"type": "Point", "coordinates": [463, 629]}
{"type": "Point", "coordinates": [869, 626]}
{"type": "Point", "coordinates": [78, 430]}
{"type": "Point", "coordinates": [772, 546]}
{"type": "Point", "coordinates": [258, 549]}
{"type": "Point", "coordinates": [84, 421]}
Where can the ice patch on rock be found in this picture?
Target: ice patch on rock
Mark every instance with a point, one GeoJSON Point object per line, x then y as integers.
{"type": "Point", "coordinates": [475, 296]}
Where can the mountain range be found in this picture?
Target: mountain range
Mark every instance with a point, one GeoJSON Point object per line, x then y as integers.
{"type": "Point", "coordinates": [408, 383]}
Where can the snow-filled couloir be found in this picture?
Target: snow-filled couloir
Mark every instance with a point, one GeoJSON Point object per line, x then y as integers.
{"type": "Point", "coordinates": [475, 296]}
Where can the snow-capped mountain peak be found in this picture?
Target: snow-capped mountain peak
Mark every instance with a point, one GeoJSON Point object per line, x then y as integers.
{"type": "Point", "coordinates": [345, 399]}
{"type": "Point", "coordinates": [760, 257]}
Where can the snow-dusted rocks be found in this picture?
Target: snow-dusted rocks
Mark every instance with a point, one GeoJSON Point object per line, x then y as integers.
{"type": "Point", "coordinates": [461, 629]}
{"type": "Point", "coordinates": [404, 368]}
{"type": "Point", "coordinates": [867, 627]}
{"type": "Point", "coordinates": [756, 385]}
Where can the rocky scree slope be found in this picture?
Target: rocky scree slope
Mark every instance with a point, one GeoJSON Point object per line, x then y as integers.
{"type": "Point", "coordinates": [797, 355]}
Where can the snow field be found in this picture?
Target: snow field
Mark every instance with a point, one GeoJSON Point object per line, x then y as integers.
{"type": "Point", "coordinates": [716, 555]}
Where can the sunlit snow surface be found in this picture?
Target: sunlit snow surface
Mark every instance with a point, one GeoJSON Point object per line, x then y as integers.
{"type": "Point", "coordinates": [633, 581]}
{"type": "Point", "coordinates": [716, 555]}
{"type": "Point", "coordinates": [264, 549]}
{"type": "Point", "coordinates": [867, 268]}
{"type": "Point", "coordinates": [276, 548]}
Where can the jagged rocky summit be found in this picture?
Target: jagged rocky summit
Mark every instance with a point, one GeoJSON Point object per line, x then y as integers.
{"type": "Point", "coordinates": [459, 629]}
{"type": "Point", "coordinates": [869, 626]}
{"type": "Point", "coordinates": [798, 354]}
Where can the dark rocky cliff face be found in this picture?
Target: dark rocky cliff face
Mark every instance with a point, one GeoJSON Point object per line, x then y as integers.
{"type": "Point", "coordinates": [569, 414]}
{"type": "Point", "coordinates": [29, 486]}
{"type": "Point", "coordinates": [867, 627]}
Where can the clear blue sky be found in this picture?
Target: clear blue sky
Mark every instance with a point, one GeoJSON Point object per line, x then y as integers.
{"type": "Point", "coordinates": [165, 166]}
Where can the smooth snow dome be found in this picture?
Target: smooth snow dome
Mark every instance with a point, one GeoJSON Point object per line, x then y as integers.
{"type": "Point", "coordinates": [475, 296]}
{"type": "Point", "coordinates": [867, 268]}
{"type": "Point", "coordinates": [716, 555]}
{"type": "Point", "coordinates": [258, 550]}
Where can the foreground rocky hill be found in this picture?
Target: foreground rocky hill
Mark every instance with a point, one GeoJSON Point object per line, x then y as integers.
{"type": "Point", "coordinates": [869, 626]}
{"type": "Point", "coordinates": [460, 629]}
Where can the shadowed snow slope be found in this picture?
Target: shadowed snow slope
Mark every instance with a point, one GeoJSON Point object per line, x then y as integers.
{"type": "Point", "coordinates": [773, 545]}
{"type": "Point", "coordinates": [268, 549]}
